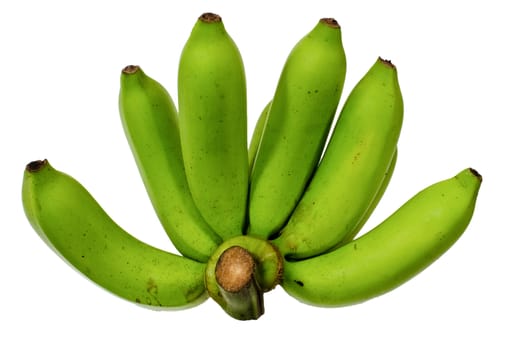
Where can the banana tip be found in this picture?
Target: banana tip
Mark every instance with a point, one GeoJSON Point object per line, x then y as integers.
{"type": "Point", "coordinates": [36, 165]}
{"type": "Point", "coordinates": [130, 69]}
{"type": "Point", "coordinates": [476, 174]}
{"type": "Point", "coordinates": [330, 22]}
{"type": "Point", "coordinates": [209, 17]}
{"type": "Point", "coordinates": [387, 62]}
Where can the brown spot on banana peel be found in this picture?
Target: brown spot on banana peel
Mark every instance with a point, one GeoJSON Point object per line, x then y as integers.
{"type": "Point", "coordinates": [300, 283]}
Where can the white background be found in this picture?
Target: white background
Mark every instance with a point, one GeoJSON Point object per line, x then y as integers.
{"type": "Point", "coordinates": [61, 62]}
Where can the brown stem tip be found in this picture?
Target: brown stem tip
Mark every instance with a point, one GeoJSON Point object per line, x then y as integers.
{"type": "Point", "coordinates": [387, 62]}
{"type": "Point", "coordinates": [131, 69]}
{"type": "Point", "coordinates": [476, 174]}
{"type": "Point", "coordinates": [209, 17]}
{"type": "Point", "coordinates": [330, 22]}
{"type": "Point", "coordinates": [36, 165]}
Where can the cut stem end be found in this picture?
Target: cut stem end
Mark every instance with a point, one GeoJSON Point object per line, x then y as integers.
{"type": "Point", "coordinates": [236, 278]}
{"type": "Point", "coordinates": [235, 269]}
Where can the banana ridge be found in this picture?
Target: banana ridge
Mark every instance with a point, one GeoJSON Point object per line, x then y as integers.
{"type": "Point", "coordinates": [256, 136]}
{"type": "Point", "coordinates": [373, 204]}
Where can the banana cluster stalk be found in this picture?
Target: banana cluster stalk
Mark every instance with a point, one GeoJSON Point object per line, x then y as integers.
{"type": "Point", "coordinates": [284, 211]}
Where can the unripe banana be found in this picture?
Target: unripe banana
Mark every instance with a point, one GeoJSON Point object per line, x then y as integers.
{"type": "Point", "coordinates": [73, 224]}
{"type": "Point", "coordinates": [384, 185]}
{"type": "Point", "coordinates": [382, 189]}
{"type": "Point", "coordinates": [213, 124]}
{"type": "Point", "coordinates": [396, 250]}
{"type": "Point", "coordinates": [352, 169]}
{"type": "Point", "coordinates": [149, 118]}
{"type": "Point", "coordinates": [256, 136]}
{"type": "Point", "coordinates": [300, 117]}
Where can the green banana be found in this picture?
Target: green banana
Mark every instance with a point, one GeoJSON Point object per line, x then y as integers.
{"type": "Point", "coordinates": [382, 189]}
{"type": "Point", "coordinates": [213, 125]}
{"type": "Point", "coordinates": [352, 169]}
{"type": "Point", "coordinates": [256, 136]}
{"type": "Point", "coordinates": [75, 226]}
{"type": "Point", "coordinates": [396, 250]}
{"type": "Point", "coordinates": [149, 119]}
{"type": "Point", "coordinates": [300, 117]}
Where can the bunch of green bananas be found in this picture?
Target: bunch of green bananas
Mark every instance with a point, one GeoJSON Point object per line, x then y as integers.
{"type": "Point", "coordinates": [280, 211]}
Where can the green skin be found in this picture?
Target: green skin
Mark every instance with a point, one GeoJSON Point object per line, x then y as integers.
{"type": "Point", "coordinates": [300, 117]}
{"type": "Point", "coordinates": [256, 136]}
{"type": "Point", "coordinates": [213, 125]}
{"type": "Point", "coordinates": [384, 185]}
{"type": "Point", "coordinates": [269, 268]}
{"type": "Point", "coordinates": [150, 122]}
{"type": "Point", "coordinates": [352, 169]}
{"type": "Point", "coordinates": [73, 224]}
{"type": "Point", "coordinates": [396, 250]}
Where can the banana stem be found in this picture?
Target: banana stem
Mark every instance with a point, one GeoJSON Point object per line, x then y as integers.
{"type": "Point", "coordinates": [237, 282]}
{"type": "Point", "coordinates": [239, 272]}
